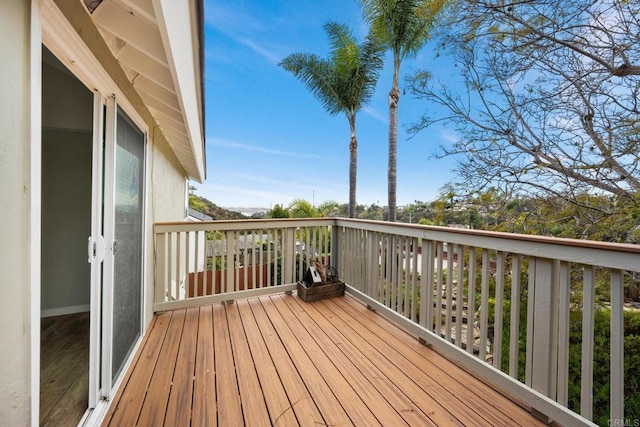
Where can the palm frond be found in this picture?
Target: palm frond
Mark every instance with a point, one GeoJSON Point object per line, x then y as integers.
{"type": "Point", "coordinates": [317, 75]}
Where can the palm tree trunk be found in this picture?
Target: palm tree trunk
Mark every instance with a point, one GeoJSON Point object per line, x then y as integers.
{"type": "Point", "coordinates": [353, 166]}
{"type": "Point", "coordinates": [394, 97]}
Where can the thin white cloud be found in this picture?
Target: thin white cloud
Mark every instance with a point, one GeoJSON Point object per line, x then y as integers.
{"type": "Point", "coordinates": [370, 111]}
{"type": "Point", "coordinates": [240, 146]}
{"type": "Point", "coordinates": [449, 136]}
{"type": "Point", "coordinates": [271, 56]}
{"type": "Point", "coordinates": [226, 18]}
{"type": "Point", "coordinates": [243, 28]}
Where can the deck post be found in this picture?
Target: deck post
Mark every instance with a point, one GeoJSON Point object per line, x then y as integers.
{"type": "Point", "coordinates": [543, 351]}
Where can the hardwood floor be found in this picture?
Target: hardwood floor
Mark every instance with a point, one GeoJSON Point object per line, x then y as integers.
{"type": "Point", "coordinates": [276, 360]}
{"type": "Point", "coordinates": [64, 369]}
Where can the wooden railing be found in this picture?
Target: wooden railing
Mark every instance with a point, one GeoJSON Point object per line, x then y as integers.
{"type": "Point", "coordinates": [501, 305]}
{"type": "Point", "coordinates": [198, 262]}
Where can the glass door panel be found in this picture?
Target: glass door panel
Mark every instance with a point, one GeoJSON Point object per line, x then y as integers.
{"type": "Point", "coordinates": [127, 247]}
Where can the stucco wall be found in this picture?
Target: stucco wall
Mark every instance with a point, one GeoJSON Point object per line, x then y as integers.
{"type": "Point", "coordinates": [166, 195]}
{"type": "Point", "coordinates": [15, 196]}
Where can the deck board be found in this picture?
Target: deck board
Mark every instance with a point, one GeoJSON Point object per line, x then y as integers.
{"type": "Point", "coordinates": [371, 397]}
{"type": "Point", "coordinates": [304, 407]}
{"type": "Point", "coordinates": [254, 406]}
{"type": "Point", "coordinates": [204, 412]}
{"type": "Point", "coordinates": [227, 393]}
{"type": "Point", "coordinates": [314, 356]}
{"type": "Point", "coordinates": [469, 390]}
{"type": "Point", "coordinates": [137, 380]}
{"type": "Point", "coordinates": [276, 399]}
{"type": "Point", "coordinates": [276, 360]}
{"type": "Point", "coordinates": [332, 411]}
{"type": "Point", "coordinates": [155, 404]}
{"type": "Point", "coordinates": [182, 382]}
{"type": "Point", "coordinates": [366, 365]}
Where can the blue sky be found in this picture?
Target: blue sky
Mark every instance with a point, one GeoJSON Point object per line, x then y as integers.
{"type": "Point", "coordinates": [268, 139]}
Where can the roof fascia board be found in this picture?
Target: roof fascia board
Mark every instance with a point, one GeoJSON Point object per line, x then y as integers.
{"type": "Point", "coordinates": [172, 18]}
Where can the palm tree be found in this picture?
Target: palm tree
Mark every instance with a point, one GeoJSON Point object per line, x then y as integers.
{"type": "Point", "coordinates": [301, 208]}
{"type": "Point", "coordinates": [328, 208]}
{"type": "Point", "coordinates": [403, 27]}
{"type": "Point", "coordinates": [343, 83]}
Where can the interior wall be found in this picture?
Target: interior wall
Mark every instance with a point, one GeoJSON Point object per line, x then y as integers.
{"type": "Point", "coordinates": [67, 108]}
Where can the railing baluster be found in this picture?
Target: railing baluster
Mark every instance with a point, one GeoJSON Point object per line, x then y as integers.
{"type": "Point", "coordinates": [617, 346]}
{"type": "Point", "coordinates": [363, 261]}
{"type": "Point", "coordinates": [438, 294]}
{"type": "Point", "coordinates": [176, 285]}
{"type": "Point", "coordinates": [406, 281]}
{"type": "Point", "coordinates": [269, 250]}
{"type": "Point", "coordinates": [414, 280]}
{"type": "Point", "coordinates": [196, 261]}
{"type": "Point", "coordinates": [326, 233]}
{"type": "Point", "coordinates": [563, 335]}
{"type": "Point", "coordinates": [214, 267]}
{"type": "Point", "coordinates": [428, 263]}
{"type": "Point", "coordinates": [352, 256]}
{"type": "Point", "coordinates": [291, 256]}
{"type": "Point", "coordinates": [498, 315]}
{"type": "Point", "coordinates": [471, 299]}
{"type": "Point", "coordinates": [241, 261]}
{"type": "Point", "coordinates": [449, 292]}
{"type": "Point", "coordinates": [514, 332]}
{"type": "Point", "coordinates": [459, 295]}
{"type": "Point", "coordinates": [236, 261]}
{"type": "Point", "coordinates": [229, 285]}
{"type": "Point", "coordinates": [387, 270]}
{"type": "Point", "coordinates": [397, 263]}
{"type": "Point", "coordinates": [530, 311]}
{"type": "Point", "coordinates": [392, 272]}
{"type": "Point", "coordinates": [484, 305]}
{"type": "Point", "coordinates": [187, 257]}
{"type": "Point", "coordinates": [588, 303]}
{"type": "Point", "coordinates": [260, 271]}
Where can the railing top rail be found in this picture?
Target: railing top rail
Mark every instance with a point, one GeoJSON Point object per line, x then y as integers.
{"type": "Point", "coordinates": [605, 254]}
{"type": "Point", "coordinates": [242, 224]}
{"type": "Point", "coordinates": [421, 229]}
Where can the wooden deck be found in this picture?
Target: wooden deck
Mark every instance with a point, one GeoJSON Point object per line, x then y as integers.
{"type": "Point", "coordinates": [277, 360]}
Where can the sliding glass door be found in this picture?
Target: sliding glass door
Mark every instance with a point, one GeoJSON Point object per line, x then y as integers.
{"type": "Point", "coordinates": [124, 230]}
{"type": "Point", "coordinates": [127, 244]}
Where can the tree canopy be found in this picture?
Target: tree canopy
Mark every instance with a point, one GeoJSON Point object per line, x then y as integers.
{"type": "Point", "coordinates": [550, 104]}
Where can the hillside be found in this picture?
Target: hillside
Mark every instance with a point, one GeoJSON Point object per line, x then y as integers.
{"type": "Point", "coordinates": [209, 208]}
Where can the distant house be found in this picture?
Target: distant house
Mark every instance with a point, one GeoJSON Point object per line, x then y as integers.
{"type": "Point", "coordinates": [101, 127]}
{"type": "Point", "coordinates": [195, 215]}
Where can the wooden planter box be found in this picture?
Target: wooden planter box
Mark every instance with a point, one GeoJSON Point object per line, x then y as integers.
{"type": "Point", "coordinates": [319, 292]}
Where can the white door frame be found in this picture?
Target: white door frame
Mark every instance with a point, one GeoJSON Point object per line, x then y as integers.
{"type": "Point", "coordinates": [109, 384]}
{"type": "Point", "coordinates": [96, 249]}
{"type": "Point", "coordinates": [111, 118]}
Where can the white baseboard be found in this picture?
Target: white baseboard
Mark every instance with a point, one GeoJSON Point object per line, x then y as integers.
{"type": "Point", "coordinates": [61, 311]}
